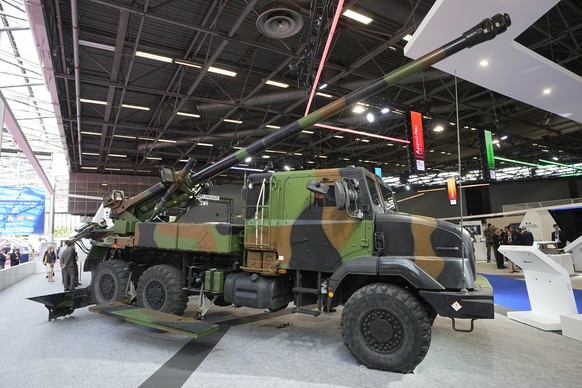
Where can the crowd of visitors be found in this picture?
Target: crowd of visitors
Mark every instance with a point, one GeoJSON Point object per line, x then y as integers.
{"type": "Point", "coordinates": [512, 235]}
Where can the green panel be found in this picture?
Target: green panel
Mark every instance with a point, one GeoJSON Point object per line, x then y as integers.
{"type": "Point", "coordinates": [123, 227]}
{"type": "Point", "coordinates": [157, 320]}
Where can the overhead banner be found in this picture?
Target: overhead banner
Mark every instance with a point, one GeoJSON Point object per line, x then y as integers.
{"type": "Point", "coordinates": [452, 191]}
{"type": "Point", "coordinates": [489, 153]}
{"type": "Point", "coordinates": [417, 139]}
{"type": "Point", "coordinates": [21, 210]}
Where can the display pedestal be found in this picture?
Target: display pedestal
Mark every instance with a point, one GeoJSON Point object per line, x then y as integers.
{"type": "Point", "coordinates": [548, 285]}
{"type": "Point", "coordinates": [572, 326]}
{"type": "Point", "coordinates": [565, 261]}
{"type": "Point", "coordinates": [575, 249]}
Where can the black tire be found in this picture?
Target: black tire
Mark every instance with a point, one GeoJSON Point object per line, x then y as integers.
{"type": "Point", "coordinates": [109, 281]}
{"type": "Point", "coordinates": [385, 327]}
{"type": "Point", "coordinates": [160, 289]}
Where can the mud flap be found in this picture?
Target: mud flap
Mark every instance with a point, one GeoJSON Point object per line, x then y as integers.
{"type": "Point", "coordinates": [64, 303]}
{"type": "Point", "coordinates": [188, 327]}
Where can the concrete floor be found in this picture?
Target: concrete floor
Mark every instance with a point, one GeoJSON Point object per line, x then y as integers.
{"type": "Point", "coordinates": [254, 349]}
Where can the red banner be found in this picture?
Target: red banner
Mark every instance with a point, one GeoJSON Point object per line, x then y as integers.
{"type": "Point", "coordinates": [452, 190]}
{"type": "Point", "coordinates": [417, 139]}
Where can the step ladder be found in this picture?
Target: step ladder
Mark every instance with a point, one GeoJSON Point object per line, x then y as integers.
{"type": "Point", "coordinates": [300, 291]}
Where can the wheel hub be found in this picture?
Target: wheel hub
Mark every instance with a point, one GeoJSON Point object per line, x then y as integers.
{"type": "Point", "coordinates": [382, 331]}
{"type": "Point", "coordinates": [155, 295]}
{"type": "Point", "coordinates": [107, 286]}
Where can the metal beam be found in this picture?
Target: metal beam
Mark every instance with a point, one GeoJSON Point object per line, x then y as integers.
{"type": "Point", "coordinates": [20, 139]}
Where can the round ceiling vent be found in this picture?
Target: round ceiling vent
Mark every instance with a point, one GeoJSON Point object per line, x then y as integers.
{"type": "Point", "coordinates": [279, 21]}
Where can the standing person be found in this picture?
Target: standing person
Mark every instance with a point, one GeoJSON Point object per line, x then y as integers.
{"type": "Point", "coordinates": [49, 260]}
{"type": "Point", "coordinates": [15, 257]}
{"type": "Point", "coordinates": [68, 258]}
{"type": "Point", "coordinates": [515, 239]}
{"type": "Point", "coordinates": [497, 242]}
{"type": "Point", "coordinates": [2, 258]}
{"type": "Point", "coordinates": [61, 261]}
{"type": "Point", "coordinates": [559, 237]}
{"type": "Point", "coordinates": [488, 233]}
{"type": "Point", "coordinates": [527, 237]}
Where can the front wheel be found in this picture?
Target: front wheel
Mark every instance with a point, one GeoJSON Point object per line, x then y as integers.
{"type": "Point", "coordinates": [109, 281]}
{"type": "Point", "coordinates": [385, 327]}
{"type": "Point", "coordinates": [160, 289]}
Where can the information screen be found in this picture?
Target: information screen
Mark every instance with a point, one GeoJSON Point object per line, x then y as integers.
{"type": "Point", "coordinates": [21, 210]}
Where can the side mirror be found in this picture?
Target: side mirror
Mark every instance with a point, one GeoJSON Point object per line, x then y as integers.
{"type": "Point", "coordinates": [317, 187]}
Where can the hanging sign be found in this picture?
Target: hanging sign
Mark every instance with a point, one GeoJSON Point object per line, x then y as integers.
{"type": "Point", "coordinates": [490, 154]}
{"type": "Point", "coordinates": [452, 190]}
{"type": "Point", "coordinates": [417, 140]}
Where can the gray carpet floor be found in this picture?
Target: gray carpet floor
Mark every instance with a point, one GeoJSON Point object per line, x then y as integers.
{"type": "Point", "coordinates": [260, 350]}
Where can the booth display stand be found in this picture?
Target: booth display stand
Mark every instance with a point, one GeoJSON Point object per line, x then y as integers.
{"type": "Point", "coordinates": [548, 285]}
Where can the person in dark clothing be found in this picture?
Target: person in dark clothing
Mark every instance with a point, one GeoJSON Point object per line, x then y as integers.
{"type": "Point", "coordinates": [514, 239]}
{"type": "Point", "coordinates": [488, 233]}
{"type": "Point", "coordinates": [559, 237]}
{"type": "Point", "coordinates": [497, 242]}
{"type": "Point", "coordinates": [527, 237]}
{"type": "Point", "coordinates": [2, 258]}
{"type": "Point", "coordinates": [15, 257]}
{"type": "Point", "coordinates": [69, 258]}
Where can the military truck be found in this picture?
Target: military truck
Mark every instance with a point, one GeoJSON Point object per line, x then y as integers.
{"type": "Point", "coordinates": [318, 239]}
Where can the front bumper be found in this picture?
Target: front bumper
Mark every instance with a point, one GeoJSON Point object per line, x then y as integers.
{"type": "Point", "coordinates": [475, 304]}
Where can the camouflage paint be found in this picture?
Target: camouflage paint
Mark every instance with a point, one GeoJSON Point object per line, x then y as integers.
{"type": "Point", "coordinates": [216, 238]}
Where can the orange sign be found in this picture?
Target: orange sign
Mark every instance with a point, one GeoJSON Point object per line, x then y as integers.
{"type": "Point", "coordinates": [417, 139]}
{"type": "Point", "coordinates": [452, 190]}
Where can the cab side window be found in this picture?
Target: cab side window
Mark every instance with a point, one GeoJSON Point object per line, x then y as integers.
{"type": "Point", "coordinates": [324, 200]}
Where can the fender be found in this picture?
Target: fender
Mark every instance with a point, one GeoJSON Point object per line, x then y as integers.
{"type": "Point", "coordinates": [374, 265]}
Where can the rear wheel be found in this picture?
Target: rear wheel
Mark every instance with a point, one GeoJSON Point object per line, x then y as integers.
{"type": "Point", "coordinates": [385, 327]}
{"type": "Point", "coordinates": [109, 281]}
{"type": "Point", "coordinates": [160, 289]}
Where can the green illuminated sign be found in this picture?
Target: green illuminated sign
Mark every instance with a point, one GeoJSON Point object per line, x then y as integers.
{"type": "Point", "coordinates": [490, 154]}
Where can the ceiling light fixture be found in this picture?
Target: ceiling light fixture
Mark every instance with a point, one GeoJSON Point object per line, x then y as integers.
{"type": "Point", "coordinates": [184, 62]}
{"type": "Point", "coordinates": [155, 57]}
{"type": "Point", "coordinates": [101, 46]}
{"type": "Point", "coordinates": [407, 37]}
{"type": "Point", "coordinates": [88, 168]}
{"type": "Point", "coordinates": [547, 91]}
{"type": "Point", "coordinates": [248, 159]}
{"type": "Point", "coordinates": [272, 126]}
{"type": "Point", "coordinates": [323, 95]}
{"type": "Point", "coordinates": [357, 16]}
{"type": "Point", "coordinates": [307, 132]}
{"type": "Point", "coordinates": [166, 141]}
{"type": "Point", "coordinates": [277, 84]}
{"type": "Point", "coordinates": [232, 121]}
{"type": "Point", "coordinates": [90, 133]}
{"type": "Point", "coordinates": [358, 109]}
{"type": "Point", "coordinates": [138, 107]}
{"type": "Point", "coordinates": [112, 169]}
{"type": "Point", "coordinates": [117, 156]}
{"type": "Point", "coordinates": [504, 137]}
{"type": "Point", "coordinates": [484, 63]}
{"type": "Point", "coordinates": [188, 114]}
{"type": "Point", "coordinates": [90, 153]}
{"type": "Point", "coordinates": [97, 102]}
{"type": "Point", "coordinates": [438, 128]}
{"type": "Point", "coordinates": [370, 117]}
{"type": "Point", "coordinates": [125, 137]}
{"type": "Point", "coordinates": [286, 168]}
{"type": "Point", "coordinates": [153, 158]}
{"type": "Point", "coordinates": [385, 110]}
{"type": "Point", "coordinates": [217, 70]}
{"type": "Point", "coordinates": [205, 144]}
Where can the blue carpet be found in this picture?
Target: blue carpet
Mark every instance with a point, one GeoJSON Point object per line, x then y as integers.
{"type": "Point", "coordinates": [512, 293]}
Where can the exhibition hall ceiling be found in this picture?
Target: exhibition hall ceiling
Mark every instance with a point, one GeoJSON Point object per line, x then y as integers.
{"type": "Point", "coordinates": [164, 80]}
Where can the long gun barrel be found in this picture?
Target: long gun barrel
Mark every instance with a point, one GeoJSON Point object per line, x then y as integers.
{"type": "Point", "coordinates": [484, 31]}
